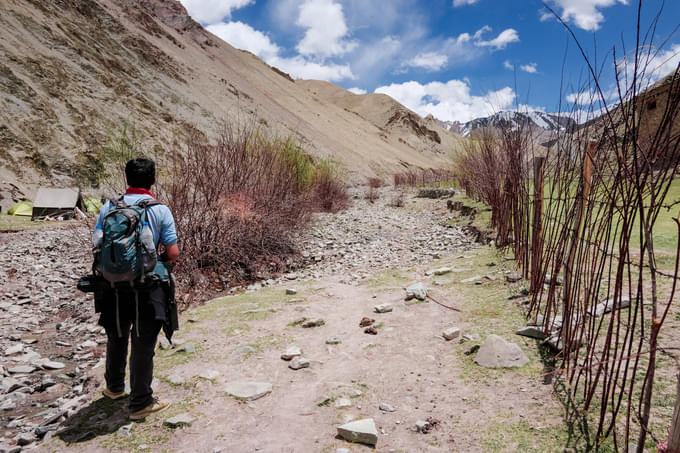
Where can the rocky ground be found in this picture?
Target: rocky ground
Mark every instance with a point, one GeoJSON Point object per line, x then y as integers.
{"type": "Point", "coordinates": [410, 377]}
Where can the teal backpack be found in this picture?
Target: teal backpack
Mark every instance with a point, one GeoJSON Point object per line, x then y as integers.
{"type": "Point", "coordinates": [127, 252]}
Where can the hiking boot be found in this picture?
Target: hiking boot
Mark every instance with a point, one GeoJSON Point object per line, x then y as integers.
{"type": "Point", "coordinates": [153, 408]}
{"type": "Point", "coordinates": [114, 395]}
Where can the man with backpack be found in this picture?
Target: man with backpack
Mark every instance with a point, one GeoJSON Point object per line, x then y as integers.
{"type": "Point", "coordinates": [136, 295]}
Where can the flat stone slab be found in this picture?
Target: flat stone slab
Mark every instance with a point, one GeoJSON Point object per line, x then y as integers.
{"type": "Point", "coordinates": [52, 365]}
{"type": "Point", "coordinates": [383, 308]}
{"type": "Point", "coordinates": [210, 375]}
{"type": "Point", "coordinates": [248, 390]}
{"type": "Point", "coordinates": [386, 407]}
{"type": "Point", "coordinates": [495, 352]}
{"type": "Point", "coordinates": [333, 340]}
{"type": "Point", "coordinates": [440, 271]}
{"type": "Point", "coordinates": [179, 421]}
{"type": "Point", "coordinates": [416, 291]}
{"type": "Point", "coordinates": [22, 369]}
{"type": "Point", "coordinates": [313, 323]}
{"type": "Point", "coordinates": [342, 403]}
{"type": "Point", "coordinates": [360, 431]}
{"type": "Point", "coordinates": [451, 333]}
{"type": "Point", "coordinates": [291, 291]}
{"type": "Point", "coordinates": [476, 278]}
{"type": "Point", "coordinates": [513, 277]}
{"type": "Point", "coordinates": [298, 363]}
{"type": "Point", "coordinates": [608, 306]}
{"type": "Point", "coordinates": [532, 332]}
{"type": "Point", "coordinates": [291, 352]}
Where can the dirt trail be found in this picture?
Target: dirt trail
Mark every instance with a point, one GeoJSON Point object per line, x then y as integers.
{"type": "Point", "coordinates": [408, 365]}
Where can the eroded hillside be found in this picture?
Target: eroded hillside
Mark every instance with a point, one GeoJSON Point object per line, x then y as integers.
{"type": "Point", "coordinates": [72, 71]}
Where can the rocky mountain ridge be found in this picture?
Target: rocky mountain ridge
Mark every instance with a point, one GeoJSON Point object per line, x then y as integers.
{"type": "Point", "coordinates": [536, 121]}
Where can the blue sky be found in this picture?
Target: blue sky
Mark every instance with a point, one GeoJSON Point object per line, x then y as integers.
{"type": "Point", "coordinates": [455, 59]}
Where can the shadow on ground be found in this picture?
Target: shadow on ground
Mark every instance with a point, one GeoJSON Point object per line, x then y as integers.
{"type": "Point", "coordinates": [101, 417]}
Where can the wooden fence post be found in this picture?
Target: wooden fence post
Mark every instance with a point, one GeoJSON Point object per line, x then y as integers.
{"type": "Point", "coordinates": [587, 178]}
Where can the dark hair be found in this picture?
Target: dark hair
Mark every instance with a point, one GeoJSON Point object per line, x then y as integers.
{"type": "Point", "coordinates": [140, 172]}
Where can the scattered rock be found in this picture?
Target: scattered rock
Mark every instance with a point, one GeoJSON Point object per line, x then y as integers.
{"type": "Point", "coordinates": [298, 363]}
{"type": "Point", "coordinates": [342, 450]}
{"type": "Point", "coordinates": [16, 349]}
{"type": "Point", "coordinates": [386, 407]}
{"type": "Point", "coordinates": [608, 306]}
{"type": "Point", "coordinates": [532, 332]}
{"type": "Point", "coordinates": [179, 421]}
{"type": "Point", "coordinates": [371, 330]}
{"type": "Point", "coordinates": [291, 291]}
{"type": "Point", "coordinates": [188, 348]}
{"type": "Point", "coordinates": [22, 369]}
{"type": "Point", "coordinates": [438, 272]}
{"type": "Point", "coordinates": [366, 322]}
{"type": "Point", "coordinates": [243, 350]}
{"type": "Point", "coordinates": [126, 430]}
{"type": "Point", "coordinates": [333, 340]}
{"type": "Point", "coordinates": [52, 365]}
{"type": "Point", "coordinates": [291, 352]}
{"type": "Point", "coordinates": [476, 278]}
{"type": "Point", "coordinates": [342, 403]}
{"type": "Point", "coordinates": [548, 279]}
{"type": "Point", "coordinates": [470, 337]}
{"type": "Point", "coordinates": [176, 379]}
{"type": "Point", "coordinates": [360, 431]}
{"type": "Point", "coordinates": [451, 333]}
{"type": "Point", "coordinates": [513, 277]}
{"type": "Point", "coordinates": [163, 342]}
{"type": "Point", "coordinates": [89, 344]}
{"type": "Point", "coordinates": [313, 323]}
{"type": "Point", "coordinates": [416, 291]}
{"type": "Point", "coordinates": [248, 390]}
{"type": "Point", "coordinates": [383, 308]}
{"type": "Point", "coordinates": [422, 426]}
{"type": "Point", "coordinates": [495, 352]}
{"type": "Point", "coordinates": [24, 439]}
{"type": "Point", "coordinates": [209, 375]}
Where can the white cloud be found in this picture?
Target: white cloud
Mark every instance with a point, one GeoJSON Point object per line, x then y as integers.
{"type": "Point", "coordinates": [431, 61]}
{"type": "Point", "coordinates": [300, 68]}
{"type": "Point", "coordinates": [450, 101]}
{"type": "Point", "coordinates": [584, 14]}
{"type": "Point", "coordinates": [326, 29]}
{"type": "Point", "coordinates": [508, 65]}
{"type": "Point", "coordinates": [356, 90]}
{"type": "Point", "coordinates": [457, 3]}
{"type": "Point", "coordinates": [583, 98]}
{"type": "Point", "coordinates": [213, 11]}
{"type": "Point", "coordinates": [499, 42]}
{"type": "Point", "coordinates": [531, 68]}
{"type": "Point", "coordinates": [243, 36]}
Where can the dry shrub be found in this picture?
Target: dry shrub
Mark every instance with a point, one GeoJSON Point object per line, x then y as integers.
{"type": "Point", "coordinates": [397, 200]}
{"type": "Point", "coordinates": [375, 183]}
{"type": "Point", "coordinates": [237, 202]}
{"type": "Point", "coordinates": [422, 176]}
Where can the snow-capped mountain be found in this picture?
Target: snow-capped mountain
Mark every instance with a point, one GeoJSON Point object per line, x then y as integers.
{"type": "Point", "coordinates": [536, 121]}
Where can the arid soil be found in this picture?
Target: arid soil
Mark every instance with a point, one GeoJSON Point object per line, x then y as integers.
{"type": "Point", "coordinates": [356, 260]}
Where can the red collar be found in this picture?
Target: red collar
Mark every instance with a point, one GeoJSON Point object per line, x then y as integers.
{"type": "Point", "coordinates": [138, 191]}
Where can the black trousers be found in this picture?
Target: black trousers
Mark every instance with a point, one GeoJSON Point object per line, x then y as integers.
{"type": "Point", "coordinates": [130, 319]}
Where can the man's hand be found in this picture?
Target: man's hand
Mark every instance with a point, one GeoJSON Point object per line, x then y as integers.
{"type": "Point", "coordinates": [171, 253]}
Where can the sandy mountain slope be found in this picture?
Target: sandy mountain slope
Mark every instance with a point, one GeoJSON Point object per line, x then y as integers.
{"type": "Point", "coordinates": [71, 71]}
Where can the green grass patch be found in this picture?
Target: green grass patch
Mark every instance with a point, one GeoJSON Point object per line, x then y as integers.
{"type": "Point", "coordinates": [505, 434]}
{"type": "Point", "coordinates": [388, 279]}
{"type": "Point", "coordinates": [19, 223]}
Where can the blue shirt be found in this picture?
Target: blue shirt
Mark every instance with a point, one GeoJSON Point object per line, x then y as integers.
{"type": "Point", "coordinates": [160, 219]}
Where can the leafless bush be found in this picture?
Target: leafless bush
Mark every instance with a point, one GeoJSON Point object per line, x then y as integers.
{"type": "Point", "coordinates": [375, 183]}
{"type": "Point", "coordinates": [397, 200]}
{"type": "Point", "coordinates": [415, 177]}
{"type": "Point", "coordinates": [237, 201]}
